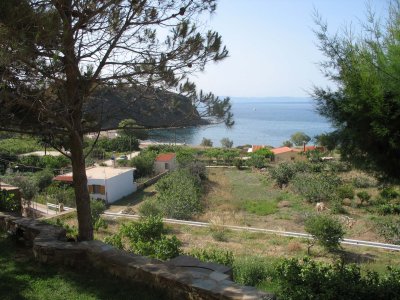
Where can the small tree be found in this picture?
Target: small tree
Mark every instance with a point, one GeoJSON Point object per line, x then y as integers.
{"type": "Point", "coordinates": [364, 197]}
{"type": "Point", "coordinates": [287, 144]}
{"type": "Point", "coordinates": [206, 143]}
{"type": "Point", "coordinates": [299, 138]}
{"type": "Point", "coordinates": [325, 230]}
{"type": "Point", "coordinates": [226, 143]}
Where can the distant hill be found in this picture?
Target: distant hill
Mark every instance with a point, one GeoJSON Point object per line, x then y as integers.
{"type": "Point", "coordinates": [153, 109]}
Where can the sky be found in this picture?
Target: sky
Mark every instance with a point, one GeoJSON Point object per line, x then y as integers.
{"type": "Point", "coordinates": [272, 48]}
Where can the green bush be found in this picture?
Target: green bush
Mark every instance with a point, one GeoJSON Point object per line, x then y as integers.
{"type": "Point", "coordinates": [197, 169]}
{"type": "Point", "coordinates": [388, 209]}
{"type": "Point", "coordinates": [43, 178]}
{"type": "Point", "coordinates": [238, 163]}
{"type": "Point", "coordinates": [345, 191]}
{"type": "Point", "coordinates": [97, 207]}
{"type": "Point", "coordinates": [147, 238]}
{"type": "Point", "coordinates": [316, 187]}
{"type": "Point", "coordinates": [283, 173]}
{"type": "Point", "coordinates": [178, 195]}
{"type": "Point", "coordinates": [363, 182]}
{"type": "Point", "coordinates": [390, 230]}
{"type": "Point", "coordinates": [8, 202]}
{"type": "Point", "coordinates": [149, 208]}
{"type": "Point", "coordinates": [144, 163]}
{"type": "Point", "coordinates": [337, 207]}
{"type": "Point", "coordinates": [256, 161]}
{"type": "Point", "coordinates": [364, 197]}
{"type": "Point", "coordinates": [114, 240]}
{"type": "Point", "coordinates": [61, 193]}
{"type": "Point", "coordinates": [249, 270]}
{"type": "Point", "coordinates": [306, 279]}
{"type": "Point", "coordinates": [389, 193]}
{"type": "Point", "coordinates": [214, 255]}
{"type": "Point", "coordinates": [325, 230]}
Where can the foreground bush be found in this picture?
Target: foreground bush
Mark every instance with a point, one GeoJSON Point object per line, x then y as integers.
{"type": "Point", "coordinates": [250, 271]}
{"type": "Point", "coordinates": [147, 238]}
{"type": "Point", "coordinates": [307, 279]}
{"type": "Point", "coordinates": [326, 230]}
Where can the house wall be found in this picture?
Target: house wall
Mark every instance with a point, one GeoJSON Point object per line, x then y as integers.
{"type": "Point", "coordinates": [120, 186]}
{"type": "Point", "coordinates": [97, 182]}
{"type": "Point", "coordinates": [159, 166]}
{"type": "Point", "coordinates": [289, 156]}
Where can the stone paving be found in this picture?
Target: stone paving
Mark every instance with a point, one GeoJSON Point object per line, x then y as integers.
{"type": "Point", "coordinates": [184, 277]}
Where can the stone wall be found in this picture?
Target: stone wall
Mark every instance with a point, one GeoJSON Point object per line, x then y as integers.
{"type": "Point", "coordinates": [179, 280]}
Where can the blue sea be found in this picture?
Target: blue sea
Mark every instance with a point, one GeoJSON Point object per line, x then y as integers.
{"type": "Point", "coordinates": [259, 121]}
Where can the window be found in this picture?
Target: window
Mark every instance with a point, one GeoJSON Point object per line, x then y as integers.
{"type": "Point", "coordinates": [97, 189]}
{"type": "Point", "coordinates": [166, 166]}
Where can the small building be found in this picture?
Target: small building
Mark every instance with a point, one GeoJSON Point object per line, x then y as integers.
{"type": "Point", "coordinates": [106, 183]}
{"type": "Point", "coordinates": [287, 154]}
{"type": "Point", "coordinates": [165, 162]}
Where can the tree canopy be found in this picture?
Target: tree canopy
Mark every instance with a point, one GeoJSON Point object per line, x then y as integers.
{"type": "Point", "coordinates": [56, 56]}
{"type": "Point", "coordinates": [299, 138]}
{"type": "Point", "coordinates": [364, 108]}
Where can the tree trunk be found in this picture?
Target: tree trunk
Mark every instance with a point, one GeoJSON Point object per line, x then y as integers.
{"type": "Point", "coordinates": [81, 189]}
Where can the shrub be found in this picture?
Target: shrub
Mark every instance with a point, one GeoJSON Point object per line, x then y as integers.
{"type": "Point", "coordinates": [363, 182]}
{"type": "Point", "coordinates": [256, 161]}
{"type": "Point", "coordinates": [9, 203]}
{"type": "Point", "coordinates": [345, 191]}
{"type": "Point", "coordinates": [147, 238]}
{"type": "Point", "coordinates": [226, 143]}
{"type": "Point", "coordinates": [149, 208]}
{"type": "Point", "coordinates": [337, 207]}
{"type": "Point", "coordinates": [388, 209]}
{"type": "Point", "coordinates": [390, 230]}
{"type": "Point", "coordinates": [206, 142]}
{"type": "Point", "coordinates": [325, 230]}
{"type": "Point", "coordinates": [144, 163]}
{"type": "Point", "coordinates": [97, 207]}
{"type": "Point", "coordinates": [283, 173]}
{"type": "Point", "coordinates": [238, 163]}
{"type": "Point", "coordinates": [389, 193]}
{"type": "Point", "coordinates": [179, 195]}
{"type": "Point", "coordinates": [249, 271]}
{"type": "Point", "coordinates": [316, 187]}
{"type": "Point", "coordinates": [43, 178]}
{"type": "Point", "coordinates": [364, 197]}
{"type": "Point", "coordinates": [114, 240]}
{"type": "Point", "coordinates": [197, 169]}
{"type": "Point", "coordinates": [307, 279]}
{"type": "Point", "coordinates": [214, 255]}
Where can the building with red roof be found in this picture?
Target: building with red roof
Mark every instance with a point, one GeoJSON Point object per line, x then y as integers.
{"type": "Point", "coordinates": [287, 154]}
{"type": "Point", "coordinates": [165, 162]}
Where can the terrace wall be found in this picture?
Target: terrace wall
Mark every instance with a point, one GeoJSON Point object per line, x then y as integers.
{"type": "Point", "coordinates": [196, 281]}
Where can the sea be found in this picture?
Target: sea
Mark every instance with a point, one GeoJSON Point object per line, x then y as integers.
{"type": "Point", "coordinates": [258, 121]}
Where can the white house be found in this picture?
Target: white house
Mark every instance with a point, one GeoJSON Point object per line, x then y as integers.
{"type": "Point", "coordinates": [106, 183]}
{"type": "Point", "coordinates": [165, 162]}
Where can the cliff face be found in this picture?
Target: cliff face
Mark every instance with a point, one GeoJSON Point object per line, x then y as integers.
{"type": "Point", "coordinates": [150, 109]}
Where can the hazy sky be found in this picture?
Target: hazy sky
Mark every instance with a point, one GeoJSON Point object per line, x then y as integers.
{"type": "Point", "coordinates": [272, 46]}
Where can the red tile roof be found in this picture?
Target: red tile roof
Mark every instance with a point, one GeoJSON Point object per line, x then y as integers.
{"type": "Point", "coordinates": [283, 150]}
{"type": "Point", "coordinates": [63, 178]}
{"type": "Point", "coordinates": [165, 156]}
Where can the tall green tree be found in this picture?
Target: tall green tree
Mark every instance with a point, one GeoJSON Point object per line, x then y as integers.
{"type": "Point", "coordinates": [364, 107]}
{"type": "Point", "coordinates": [57, 55]}
{"type": "Point", "coordinates": [300, 138]}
